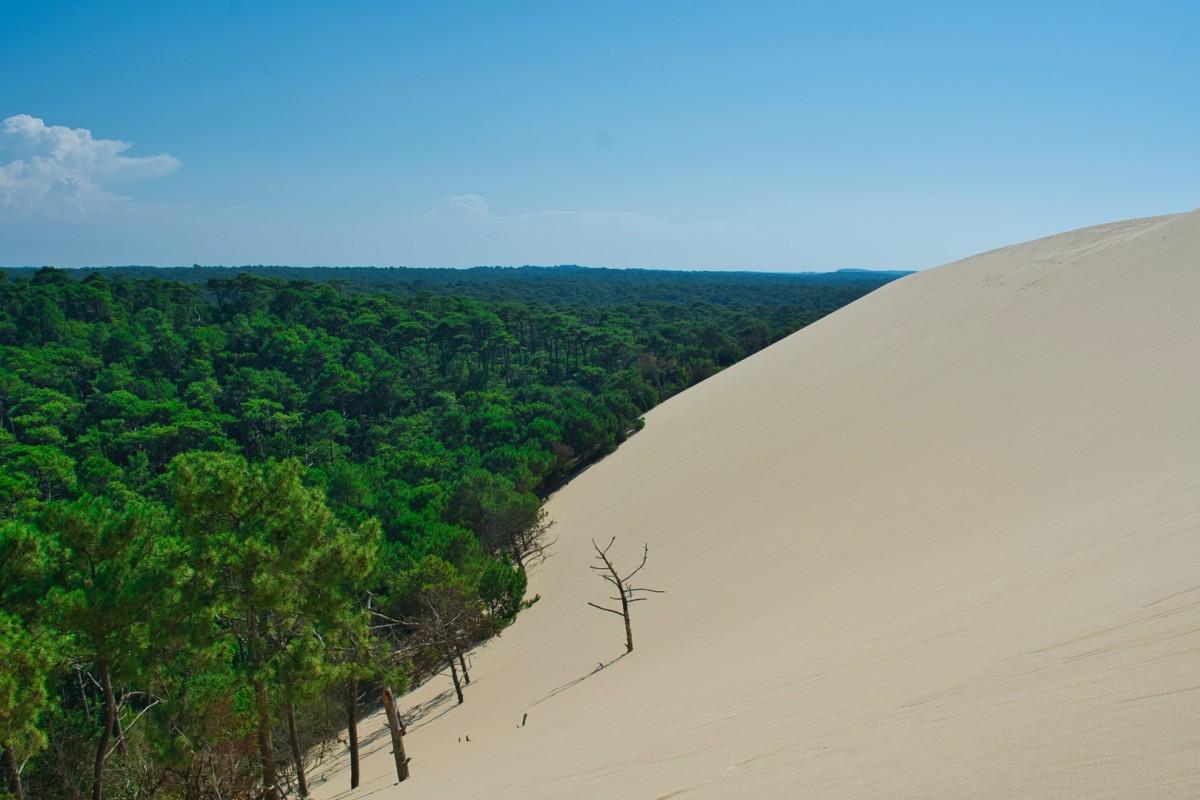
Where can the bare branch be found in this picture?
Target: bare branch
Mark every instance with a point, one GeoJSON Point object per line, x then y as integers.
{"type": "Point", "coordinates": [645, 555]}
{"type": "Point", "coordinates": [609, 610]}
{"type": "Point", "coordinates": [127, 728]}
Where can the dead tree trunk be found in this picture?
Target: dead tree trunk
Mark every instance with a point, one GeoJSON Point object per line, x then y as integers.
{"type": "Point", "coordinates": [352, 731]}
{"type": "Point", "coordinates": [396, 726]}
{"type": "Point", "coordinates": [14, 773]}
{"type": "Point", "coordinates": [626, 593]}
{"type": "Point", "coordinates": [297, 753]}
{"type": "Point", "coordinates": [628, 627]}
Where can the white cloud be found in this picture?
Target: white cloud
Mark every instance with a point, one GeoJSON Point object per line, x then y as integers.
{"type": "Point", "coordinates": [52, 168]}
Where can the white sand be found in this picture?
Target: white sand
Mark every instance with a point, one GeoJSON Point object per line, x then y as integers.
{"type": "Point", "coordinates": [944, 543]}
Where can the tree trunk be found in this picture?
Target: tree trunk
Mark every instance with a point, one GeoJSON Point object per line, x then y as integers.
{"type": "Point", "coordinates": [266, 748]}
{"type": "Point", "coordinates": [396, 726]}
{"type": "Point", "coordinates": [628, 627]}
{"type": "Point", "coordinates": [352, 731]}
{"type": "Point", "coordinates": [14, 774]}
{"type": "Point", "coordinates": [462, 662]}
{"type": "Point", "coordinates": [105, 733]}
{"type": "Point", "coordinates": [454, 675]}
{"type": "Point", "coordinates": [297, 754]}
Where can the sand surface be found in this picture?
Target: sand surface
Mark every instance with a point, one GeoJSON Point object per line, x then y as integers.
{"type": "Point", "coordinates": [944, 543]}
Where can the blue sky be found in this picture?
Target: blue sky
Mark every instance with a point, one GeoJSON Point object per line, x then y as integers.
{"type": "Point", "coordinates": [780, 136]}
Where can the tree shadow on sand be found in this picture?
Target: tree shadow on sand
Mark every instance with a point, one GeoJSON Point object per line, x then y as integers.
{"type": "Point", "coordinates": [380, 739]}
{"type": "Point", "coordinates": [434, 708]}
{"type": "Point", "coordinates": [580, 679]}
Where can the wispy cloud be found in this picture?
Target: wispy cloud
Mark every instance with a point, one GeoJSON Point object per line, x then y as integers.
{"type": "Point", "coordinates": [58, 170]}
{"type": "Point", "coordinates": [464, 204]}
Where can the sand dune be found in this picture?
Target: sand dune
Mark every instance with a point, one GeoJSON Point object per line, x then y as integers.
{"type": "Point", "coordinates": [944, 543]}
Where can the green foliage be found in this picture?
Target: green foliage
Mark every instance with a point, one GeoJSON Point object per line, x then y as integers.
{"type": "Point", "coordinates": [115, 573]}
{"type": "Point", "coordinates": [276, 565]}
{"type": "Point", "coordinates": [28, 647]}
{"type": "Point", "coordinates": [23, 692]}
{"type": "Point", "coordinates": [493, 507]}
{"type": "Point", "coordinates": [281, 574]}
{"type": "Point", "coordinates": [501, 589]}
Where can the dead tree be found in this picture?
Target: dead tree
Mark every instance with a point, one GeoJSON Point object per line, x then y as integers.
{"type": "Point", "coordinates": [449, 622]}
{"type": "Point", "coordinates": [396, 726]}
{"type": "Point", "coordinates": [395, 651]}
{"type": "Point", "coordinates": [529, 545]}
{"type": "Point", "coordinates": [627, 593]}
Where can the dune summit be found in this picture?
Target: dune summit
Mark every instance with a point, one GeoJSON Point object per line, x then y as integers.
{"type": "Point", "coordinates": [943, 543]}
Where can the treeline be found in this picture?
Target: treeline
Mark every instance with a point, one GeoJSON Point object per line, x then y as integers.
{"type": "Point", "coordinates": [233, 511]}
{"type": "Point", "coordinates": [563, 285]}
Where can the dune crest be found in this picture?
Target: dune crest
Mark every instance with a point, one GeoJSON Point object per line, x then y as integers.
{"type": "Point", "coordinates": [943, 543]}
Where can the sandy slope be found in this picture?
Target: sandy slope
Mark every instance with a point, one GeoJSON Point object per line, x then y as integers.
{"type": "Point", "coordinates": [944, 543]}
